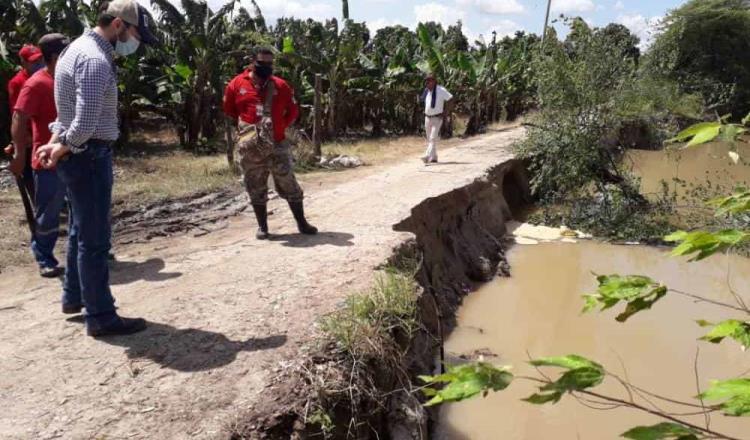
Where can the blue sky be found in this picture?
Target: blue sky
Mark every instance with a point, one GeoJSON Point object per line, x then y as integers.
{"type": "Point", "coordinates": [478, 16]}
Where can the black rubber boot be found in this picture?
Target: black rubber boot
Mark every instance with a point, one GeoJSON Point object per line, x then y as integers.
{"type": "Point", "coordinates": [261, 214]}
{"type": "Point", "coordinates": [303, 226]}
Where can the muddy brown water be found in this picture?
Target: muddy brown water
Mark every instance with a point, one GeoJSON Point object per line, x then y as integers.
{"type": "Point", "coordinates": [696, 166]}
{"type": "Point", "coordinates": [536, 312]}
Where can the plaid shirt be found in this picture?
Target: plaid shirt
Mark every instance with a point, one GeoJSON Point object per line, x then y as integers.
{"type": "Point", "coordinates": [86, 92]}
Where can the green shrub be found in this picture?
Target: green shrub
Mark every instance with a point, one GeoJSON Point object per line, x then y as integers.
{"type": "Point", "coordinates": [703, 46]}
{"type": "Point", "coordinates": [368, 321]}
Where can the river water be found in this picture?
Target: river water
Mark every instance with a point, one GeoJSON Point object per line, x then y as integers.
{"type": "Point", "coordinates": [536, 312]}
{"type": "Point", "coordinates": [709, 163]}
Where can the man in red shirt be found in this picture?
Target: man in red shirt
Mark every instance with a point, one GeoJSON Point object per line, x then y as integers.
{"type": "Point", "coordinates": [36, 106]}
{"type": "Point", "coordinates": [31, 61]}
{"type": "Point", "coordinates": [262, 145]}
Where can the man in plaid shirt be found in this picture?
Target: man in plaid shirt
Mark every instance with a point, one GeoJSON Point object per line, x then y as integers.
{"type": "Point", "coordinates": [82, 138]}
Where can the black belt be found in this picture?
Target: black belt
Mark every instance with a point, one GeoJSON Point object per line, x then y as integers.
{"type": "Point", "coordinates": [102, 142]}
{"type": "Point", "coordinates": [93, 143]}
{"type": "Point", "coordinates": [440, 115]}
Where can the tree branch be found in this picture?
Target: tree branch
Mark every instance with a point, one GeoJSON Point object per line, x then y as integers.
{"type": "Point", "coordinates": [710, 301]}
{"type": "Point", "coordinates": [633, 405]}
{"type": "Point", "coordinates": [706, 415]}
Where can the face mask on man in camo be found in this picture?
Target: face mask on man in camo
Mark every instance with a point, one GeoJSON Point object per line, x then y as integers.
{"type": "Point", "coordinates": [263, 69]}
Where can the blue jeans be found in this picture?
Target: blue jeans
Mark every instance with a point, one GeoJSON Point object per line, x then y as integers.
{"type": "Point", "coordinates": [88, 180]}
{"type": "Point", "coordinates": [49, 198]}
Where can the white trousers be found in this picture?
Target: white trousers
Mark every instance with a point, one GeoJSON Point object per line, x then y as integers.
{"type": "Point", "coordinates": [432, 131]}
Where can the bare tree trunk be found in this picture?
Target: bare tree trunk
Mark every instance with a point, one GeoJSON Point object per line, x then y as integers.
{"type": "Point", "coordinates": [332, 111]}
{"type": "Point", "coordinates": [494, 106]}
{"type": "Point", "coordinates": [317, 114]}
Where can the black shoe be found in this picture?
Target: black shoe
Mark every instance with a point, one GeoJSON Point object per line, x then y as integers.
{"type": "Point", "coordinates": [261, 215]}
{"type": "Point", "coordinates": [51, 272]}
{"type": "Point", "coordinates": [72, 309]}
{"type": "Point", "coordinates": [303, 226]}
{"type": "Point", "coordinates": [122, 326]}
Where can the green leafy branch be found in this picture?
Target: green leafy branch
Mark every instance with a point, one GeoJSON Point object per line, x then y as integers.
{"type": "Point", "coordinates": [704, 132]}
{"type": "Point", "coordinates": [666, 431]}
{"type": "Point", "coordinates": [466, 381]}
{"type": "Point", "coordinates": [639, 292]}
{"type": "Point", "coordinates": [737, 203]}
{"type": "Point", "coordinates": [735, 394]}
{"type": "Point", "coordinates": [703, 244]}
{"type": "Point", "coordinates": [731, 328]}
{"type": "Point", "coordinates": [581, 375]}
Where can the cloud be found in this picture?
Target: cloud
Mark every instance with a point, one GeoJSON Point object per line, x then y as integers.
{"type": "Point", "coordinates": [619, 6]}
{"type": "Point", "coordinates": [273, 9]}
{"type": "Point", "coordinates": [493, 7]}
{"type": "Point", "coordinates": [380, 23]}
{"type": "Point", "coordinates": [498, 7]}
{"type": "Point", "coordinates": [567, 6]}
{"type": "Point", "coordinates": [503, 28]}
{"type": "Point", "coordinates": [642, 27]}
{"type": "Point", "coordinates": [438, 13]}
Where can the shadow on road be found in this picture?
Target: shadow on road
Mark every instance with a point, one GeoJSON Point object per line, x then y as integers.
{"type": "Point", "coordinates": [126, 272]}
{"type": "Point", "coordinates": [188, 349]}
{"type": "Point", "coordinates": [323, 238]}
{"type": "Point", "coordinates": [437, 164]}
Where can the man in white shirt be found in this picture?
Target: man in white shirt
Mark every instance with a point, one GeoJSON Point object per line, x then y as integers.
{"type": "Point", "coordinates": [437, 103]}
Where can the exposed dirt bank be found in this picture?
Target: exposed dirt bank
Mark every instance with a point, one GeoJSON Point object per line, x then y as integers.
{"type": "Point", "coordinates": [458, 242]}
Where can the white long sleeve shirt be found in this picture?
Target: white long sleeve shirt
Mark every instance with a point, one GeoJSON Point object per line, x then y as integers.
{"type": "Point", "coordinates": [440, 100]}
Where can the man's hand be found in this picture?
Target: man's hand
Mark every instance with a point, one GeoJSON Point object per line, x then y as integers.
{"type": "Point", "coordinates": [18, 160]}
{"type": "Point", "coordinates": [17, 164]}
{"type": "Point", "coordinates": [49, 154]}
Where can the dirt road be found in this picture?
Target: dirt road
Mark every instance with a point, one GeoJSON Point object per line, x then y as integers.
{"type": "Point", "coordinates": [225, 311]}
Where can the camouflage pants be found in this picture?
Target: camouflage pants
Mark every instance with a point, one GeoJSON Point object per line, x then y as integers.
{"type": "Point", "coordinates": [257, 163]}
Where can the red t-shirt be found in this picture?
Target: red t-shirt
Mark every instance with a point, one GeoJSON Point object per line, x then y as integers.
{"type": "Point", "coordinates": [241, 98]}
{"type": "Point", "coordinates": [37, 101]}
{"type": "Point", "coordinates": [14, 87]}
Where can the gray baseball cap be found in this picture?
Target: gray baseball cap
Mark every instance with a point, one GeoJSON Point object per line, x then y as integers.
{"type": "Point", "coordinates": [53, 44]}
{"type": "Point", "coordinates": [134, 14]}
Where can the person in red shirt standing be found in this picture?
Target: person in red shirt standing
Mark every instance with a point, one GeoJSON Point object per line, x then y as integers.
{"type": "Point", "coordinates": [36, 106]}
{"type": "Point", "coordinates": [262, 107]}
{"type": "Point", "coordinates": [31, 61]}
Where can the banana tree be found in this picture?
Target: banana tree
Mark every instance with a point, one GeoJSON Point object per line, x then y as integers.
{"type": "Point", "coordinates": [21, 22]}
{"type": "Point", "coordinates": [321, 49]}
{"type": "Point", "coordinates": [517, 82]}
{"type": "Point", "coordinates": [194, 65]}
{"type": "Point", "coordinates": [477, 75]}
{"type": "Point", "coordinates": [65, 16]}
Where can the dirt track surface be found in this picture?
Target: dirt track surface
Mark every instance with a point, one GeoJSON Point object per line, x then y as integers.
{"type": "Point", "coordinates": [225, 310]}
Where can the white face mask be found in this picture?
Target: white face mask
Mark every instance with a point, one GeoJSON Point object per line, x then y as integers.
{"type": "Point", "coordinates": [128, 47]}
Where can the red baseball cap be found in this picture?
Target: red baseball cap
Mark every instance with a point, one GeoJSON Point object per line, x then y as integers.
{"type": "Point", "coordinates": [30, 53]}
